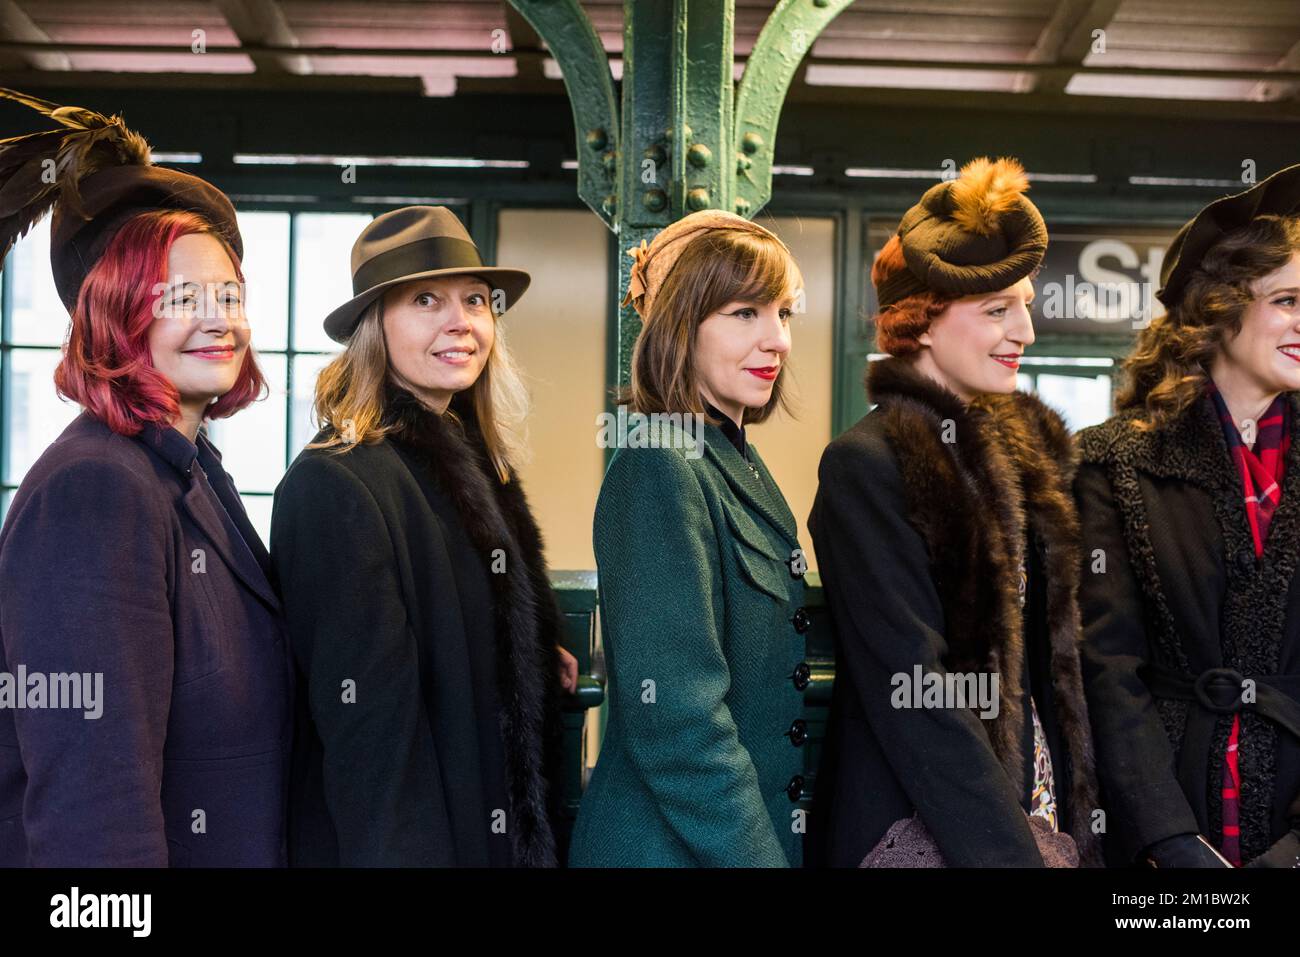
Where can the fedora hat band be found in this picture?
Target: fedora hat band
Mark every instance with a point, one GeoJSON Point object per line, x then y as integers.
{"type": "Point", "coordinates": [422, 255]}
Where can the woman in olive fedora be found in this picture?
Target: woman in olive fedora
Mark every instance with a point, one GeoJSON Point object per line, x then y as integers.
{"type": "Point", "coordinates": [420, 616]}
{"type": "Point", "coordinates": [1191, 495]}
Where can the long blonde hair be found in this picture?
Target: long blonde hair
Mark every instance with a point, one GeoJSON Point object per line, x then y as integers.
{"type": "Point", "coordinates": [349, 400]}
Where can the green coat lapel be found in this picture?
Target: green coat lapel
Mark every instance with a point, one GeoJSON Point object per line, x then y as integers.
{"type": "Point", "coordinates": [758, 491]}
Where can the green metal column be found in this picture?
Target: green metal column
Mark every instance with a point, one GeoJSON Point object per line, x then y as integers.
{"type": "Point", "coordinates": [686, 137]}
{"type": "Point", "coordinates": [683, 139]}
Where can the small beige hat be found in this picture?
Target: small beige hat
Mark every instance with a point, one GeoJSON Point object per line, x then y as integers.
{"type": "Point", "coordinates": [414, 242]}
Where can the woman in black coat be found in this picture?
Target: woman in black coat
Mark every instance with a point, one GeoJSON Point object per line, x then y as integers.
{"type": "Point", "coordinates": [947, 543]}
{"type": "Point", "coordinates": [1190, 504]}
{"type": "Point", "coordinates": [421, 619]}
{"type": "Point", "coordinates": [127, 563]}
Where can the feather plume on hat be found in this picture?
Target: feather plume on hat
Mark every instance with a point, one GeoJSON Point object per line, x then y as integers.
{"type": "Point", "coordinates": [85, 143]}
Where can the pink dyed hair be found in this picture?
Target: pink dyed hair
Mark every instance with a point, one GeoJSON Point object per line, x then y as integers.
{"type": "Point", "coordinates": [107, 367]}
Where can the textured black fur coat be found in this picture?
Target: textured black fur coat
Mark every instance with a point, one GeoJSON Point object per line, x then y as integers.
{"type": "Point", "coordinates": [402, 543]}
{"type": "Point", "coordinates": [1182, 592]}
{"type": "Point", "coordinates": [920, 526]}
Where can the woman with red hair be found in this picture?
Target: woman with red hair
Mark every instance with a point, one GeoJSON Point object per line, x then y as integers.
{"type": "Point", "coordinates": [144, 685]}
{"type": "Point", "coordinates": [945, 529]}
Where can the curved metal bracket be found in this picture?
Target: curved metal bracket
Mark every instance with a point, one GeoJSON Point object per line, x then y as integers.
{"type": "Point", "coordinates": [574, 43]}
{"type": "Point", "coordinates": [787, 36]}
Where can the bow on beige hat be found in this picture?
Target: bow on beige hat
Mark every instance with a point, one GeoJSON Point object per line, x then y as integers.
{"type": "Point", "coordinates": [654, 261]}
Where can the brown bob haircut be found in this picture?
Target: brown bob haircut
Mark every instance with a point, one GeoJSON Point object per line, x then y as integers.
{"type": "Point", "coordinates": [1169, 367]}
{"type": "Point", "coordinates": [716, 267]}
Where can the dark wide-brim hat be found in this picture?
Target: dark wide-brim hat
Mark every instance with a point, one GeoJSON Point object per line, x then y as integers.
{"type": "Point", "coordinates": [973, 234]}
{"type": "Point", "coordinates": [115, 195]}
{"type": "Point", "coordinates": [1278, 195]}
{"type": "Point", "coordinates": [104, 176]}
{"type": "Point", "coordinates": [415, 242]}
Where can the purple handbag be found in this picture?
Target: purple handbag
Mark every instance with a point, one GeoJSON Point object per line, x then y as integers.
{"type": "Point", "coordinates": [908, 843]}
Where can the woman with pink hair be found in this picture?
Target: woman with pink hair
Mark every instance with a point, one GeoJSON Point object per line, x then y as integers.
{"type": "Point", "coordinates": [145, 719]}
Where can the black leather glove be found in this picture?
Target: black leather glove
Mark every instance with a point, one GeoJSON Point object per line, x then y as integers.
{"type": "Point", "coordinates": [1285, 852]}
{"type": "Point", "coordinates": [1184, 850]}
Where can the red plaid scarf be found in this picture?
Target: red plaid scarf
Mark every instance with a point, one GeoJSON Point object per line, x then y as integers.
{"type": "Point", "coordinates": [1261, 469]}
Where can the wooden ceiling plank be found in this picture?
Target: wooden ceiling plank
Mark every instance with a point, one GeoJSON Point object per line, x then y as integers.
{"type": "Point", "coordinates": [17, 25]}
{"type": "Point", "coordinates": [261, 23]}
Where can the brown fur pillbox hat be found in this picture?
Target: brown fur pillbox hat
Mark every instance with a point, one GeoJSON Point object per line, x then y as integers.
{"type": "Point", "coordinates": [976, 233]}
{"type": "Point", "coordinates": [655, 260]}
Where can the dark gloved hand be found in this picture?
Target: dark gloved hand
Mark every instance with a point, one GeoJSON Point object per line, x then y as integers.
{"type": "Point", "coordinates": [1184, 850]}
{"type": "Point", "coordinates": [1285, 852]}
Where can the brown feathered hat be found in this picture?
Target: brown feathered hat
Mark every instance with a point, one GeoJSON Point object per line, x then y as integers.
{"type": "Point", "coordinates": [976, 233]}
{"type": "Point", "coordinates": [95, 174]}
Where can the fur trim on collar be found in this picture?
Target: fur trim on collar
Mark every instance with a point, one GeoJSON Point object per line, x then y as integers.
{"type": "Point", "coordinates": [498, 522]}
{"type": "Point", "coordinates": [980, 479]}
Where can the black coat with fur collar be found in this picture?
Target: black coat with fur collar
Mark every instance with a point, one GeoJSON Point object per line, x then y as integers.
{"type": "Point", "coordinates": [1182, 592]}
{"type": "Point", "coordinates": [920, 522]}
{"type": "Point", "coordinates": [424, 629]}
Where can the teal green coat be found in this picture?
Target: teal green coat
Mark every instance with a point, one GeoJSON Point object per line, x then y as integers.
{"type": "Point", "coordinates": [699, 583]}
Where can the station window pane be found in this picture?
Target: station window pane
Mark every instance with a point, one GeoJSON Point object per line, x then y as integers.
{"type": "Point", "coordinates": [1082, 400]}
{"type": "Point", "coordinates": [303, 425]}
{"type": "Point", "coordinates": [258, 508]}
{"type": "Point", "coordinates": [323, 274]}
{"type": "Point", "coordinates": [252, 440]}
{"type": "Point", "coordinates": [266, 273]}
{"type": "Point", "coordinates": [38, 317]}
{"type": "Point", "coordinates": [34, 415]}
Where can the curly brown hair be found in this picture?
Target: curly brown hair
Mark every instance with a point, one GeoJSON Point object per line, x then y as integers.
{"type": "Point", "coordinates": [1168, 368]}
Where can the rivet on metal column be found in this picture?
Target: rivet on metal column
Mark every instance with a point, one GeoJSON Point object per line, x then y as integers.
{"type": "Point", "coordinates": [693, 140]}
{"type": "Point", "coordinates": [576, 47]}
{"type": "Point", "coordinates": [786, 38]}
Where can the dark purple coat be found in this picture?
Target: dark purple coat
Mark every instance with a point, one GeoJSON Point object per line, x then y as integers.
{"type": "Point", "coordinates": [133, 557]}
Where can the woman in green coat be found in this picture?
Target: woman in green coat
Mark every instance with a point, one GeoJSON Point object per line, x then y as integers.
{"type": "Point", "coordinates": [700, 571]}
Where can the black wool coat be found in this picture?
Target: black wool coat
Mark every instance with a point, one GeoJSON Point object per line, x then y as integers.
{"type": "Point", "coordinates": [423, 628]}
{"type": "Point", "coordinates": [1181, 594]}
{"type": "Point", "coordinates": [920, 521]}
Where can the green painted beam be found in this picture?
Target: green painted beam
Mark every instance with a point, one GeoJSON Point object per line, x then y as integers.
{"type": "Point", "coordinates": [786, 38]}
{"type": "Point", "coordinates": [649, 201]}
{"type": "Point", "coordinates": [577, 49]}
{"type": "Point", "coordinates": [702, 63]}
{"type": "Point", "coordinates": [684, 138]}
